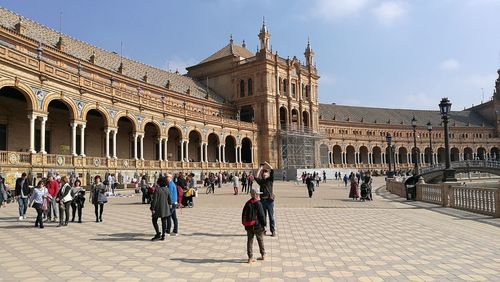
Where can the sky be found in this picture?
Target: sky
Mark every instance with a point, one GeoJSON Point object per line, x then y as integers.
{"type": "Point", "coordinates": [374, 53]}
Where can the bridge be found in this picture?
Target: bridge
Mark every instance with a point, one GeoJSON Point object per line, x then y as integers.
{"type": "Point", "coordinates": [434, 173]}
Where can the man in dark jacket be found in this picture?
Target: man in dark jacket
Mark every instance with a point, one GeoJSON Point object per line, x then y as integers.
{"type": "Point", "coordinates": [265, 179]}
{"type": "Point", "coordinates": [254, 220]}
{"type": "Point", "coordinates": [22, 195]}
{"type": "Point", "coordinates": [161, 205]}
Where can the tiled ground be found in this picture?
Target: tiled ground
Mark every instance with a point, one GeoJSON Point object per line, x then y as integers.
{"type": "Point", "coordinates": [326, 238]}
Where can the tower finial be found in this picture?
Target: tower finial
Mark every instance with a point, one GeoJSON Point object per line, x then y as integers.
{"type": "Point", "coordinates": [231, 39]}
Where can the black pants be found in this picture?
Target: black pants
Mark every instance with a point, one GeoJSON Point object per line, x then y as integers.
{"type": "Point", "coordinates": [173, 218]}
{"type": "Point", "coordinates": [310, 192]}
{"type": "Point", "coordinates": [39, 212]}
{"type": "Point", "coordinates": [64, 212]}
{"type": "Point", "coordinates": [76, 207]}
{"type": "Point", "coordinates": [98, 214]}
{"type": "Point", "coordinates": [163, 225]}
{"type": "Point", "coordinates": [144, 195]}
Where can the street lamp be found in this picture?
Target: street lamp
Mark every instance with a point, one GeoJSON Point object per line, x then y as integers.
{"type": "Point", "coordinates": [414, 125]}
{"type": "Point", "coordinates": [429, 127]}
{"type": "Point", "coordinates": [444, 108]}
{"type": "Point", "coordinates": [388, 138]}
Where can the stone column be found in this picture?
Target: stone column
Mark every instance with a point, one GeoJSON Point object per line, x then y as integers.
{"type": "Point", "coordinates": [236, 157]}
{"type": "Point", "coordinates": [251, 154]}
{"type": "Point", "coordinates": [182, 151]}
{"type": "Point", "coordinates": [223, 153]}
{"type": "Point", "coordinates": [135, 145]}
{"type": "Point", "coordinates": [82, 140]}
{"type": "Point", "coordinates": [114, 143]}
{"type": "Point", "coordinates": [239, 150]}
{"type": "Point", "coordinates": [107, 142]}
{"type": "Point", "coordinates": [42, 135]}
{"type": "Point", "coordinates": [142, 146]}
{"type": "Point", "coordinates": [73, 138]}
{"type": "Point", "coordinates": [202, 155]}
{"type": "Point", "coordinates": [32, 119]}
{"type": "Point", "coordinates": [187, 151]}
{"type": "Point", "coordinates": [165, 150]}
{"type": "Point", "coordinates": [408, 158]}
{"type": "Point", "coordinates": [219, 152]}
{"type": "Point", "coordinates": [206, 152]}
{"type": "Point", "coordinates": [160, 145]}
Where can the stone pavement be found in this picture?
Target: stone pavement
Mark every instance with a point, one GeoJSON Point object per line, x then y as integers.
{"type": "Point", "coordinates": [326, 238]}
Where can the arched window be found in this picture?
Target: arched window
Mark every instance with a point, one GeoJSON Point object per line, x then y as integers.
{"type": "Point", "coordinates": [250, 87]}
{"type": "Point", "coordinates": [293, 89]}
{"type": "Point", "coordinates": [242, 88]}
{"type": "Point", "coordinates": [285, 82]}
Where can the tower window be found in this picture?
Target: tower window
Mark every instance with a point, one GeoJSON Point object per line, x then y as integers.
{"type": "Point", "coordinates": [250, 87]}
{"type": "Point", "coordinates": [242, 88]}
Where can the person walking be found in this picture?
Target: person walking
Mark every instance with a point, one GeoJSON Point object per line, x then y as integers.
{"type": "Point", "coordinates": [3, 193]}
{"type": "Point", "coordinates": [79, 200]}
{"type": "Point", "coordinates": [22, 194]}
{"type": "Point", "coordinates": [64, 198]}
{"type": "Point", "coordinates": [98, 197]}
{"type": "Point", "coordinates": [144, 189]}
{"type": "Point", "coordinates": [368, 182]}
{"type": "Point", "coordinates": [53, 188]}
{"type": "Point", "coordinates": [161, 206]}
{"type": "Point", "coordinates": [345, 180]}
{"type": "Point", "coordinates": [310, 185]}
{"type": "Point", "coordinates": [236, 183]}
{"type": "Point", "coordinates": [254, 220]}
{"type": "Point", "coordinates": [324, 176]}
{"type": "Point", "coordinates": [265, 179]}
{"type": "Point", "coordinates": [173, 215]}
{"type": "Point", "coordinates": [250, 181]}
{"type": "Point", "coordinates": [244, 183]}
{"type": "Point", "coordinates": [353, 193]}
{"type": "Point", "coordinates": [38, 196]}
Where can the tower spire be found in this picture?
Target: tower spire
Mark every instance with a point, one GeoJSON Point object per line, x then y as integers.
{"type": "Point", "coordinates": [309, 54]}
{"type": "Point", "coordinates": [264, 36]}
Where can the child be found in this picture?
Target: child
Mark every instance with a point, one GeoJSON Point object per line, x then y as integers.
{"type": "Point", "coordinates": [254, 220]}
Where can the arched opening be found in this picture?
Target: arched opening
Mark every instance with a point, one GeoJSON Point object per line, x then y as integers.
{"type": "Point", "coordinates": [377, 155]}
{"type": "Point", "coordinates": [428, 155]}
{"type": "Point", "coordinates": [363, 155]}
{"type": "Point", "coordinates": [283, 118]}
{"type": "Point", "coordinates": [295, 118]}
{"type": "Point", "coordinates": [468, 154]}
{"type": "Point", "coordinates": [337, 154]}
{"type": "Point", "coordinates": [246, 150]}
{"type": "Point", "coordinates": [350, 155]}
{"type": "Point", "coordinates": [57, 130]}
{"type": "Point", "coordinates": [481, 153]}
{"type": "Point", "coordinates": [247, 114]}
{"type": "Point", "coordinates": [151, 143]}
{"type": "Point", "coordinates": [194, 146]}
{"type": "Point", "coordinates": [441, 156]}
{"type": "Point", "coordinates": [230, 149]}
{"type": "Point", "coordinates": [415, 156]}
{"type": "Point", "coordinates": [305, 119]}
{"type": "Point", "coordinates": [125, 139]}
{"type": "Point", "coordinates": [14, 108]}
{"type": "Point", "coordinates": [323, 153]}
{"type": "Point", "coordinates": [174, 144]}
{"type": "Point", "coordinates": [494, 154]}
{"type": "Point", "coordinates": [213, 148]}
{"type": "Point", "coordinates": [455, 154]}
{"type": "Point", "coordinates": [403, 155]}
{"type": "Point", "coordinates": [95, 143]}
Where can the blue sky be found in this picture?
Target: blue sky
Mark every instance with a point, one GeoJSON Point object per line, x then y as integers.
{"type": "Point", "coordinates": [381, 53]}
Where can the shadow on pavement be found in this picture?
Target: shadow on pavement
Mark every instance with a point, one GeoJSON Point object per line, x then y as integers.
{"type": "Point", "coordinates": [214, 235]}
{"type": "Point", "coordinates": [208, 261]}
{"type": "Point", "coordinates": [122, 237]}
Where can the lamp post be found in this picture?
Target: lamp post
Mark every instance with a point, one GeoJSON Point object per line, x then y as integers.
{"type": "Point", "coordinates": [414, 125]}
{"type": "Point", "coordinates": [449, 173]}
{"type": "Point", "coordinates": [429, 127]}
{"type": "Point", "coordinates": [388, 138]}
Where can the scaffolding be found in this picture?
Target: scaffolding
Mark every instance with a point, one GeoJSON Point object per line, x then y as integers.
{"type": "Point", "coordinates": [297, 147]}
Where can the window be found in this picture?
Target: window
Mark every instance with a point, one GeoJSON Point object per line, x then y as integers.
{"type": "Point", "coordinates": [242, 88]}
{"type": "Point", "coordinates": [293, 89]}
{"type": "Point", "coordinates": [3, 137]}
{"type": "Point", "coordinates": [250, 87]}
{"type": "Point", "coordinates": [285, 82]}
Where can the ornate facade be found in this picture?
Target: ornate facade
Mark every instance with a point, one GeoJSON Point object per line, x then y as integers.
{"type": "Point", "coordinates": [68, 106]}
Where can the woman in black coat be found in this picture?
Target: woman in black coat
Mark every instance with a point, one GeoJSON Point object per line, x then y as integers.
{"type": "Point", "coordinates": [161, 204]}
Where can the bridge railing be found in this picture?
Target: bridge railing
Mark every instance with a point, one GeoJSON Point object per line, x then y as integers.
{"type": "Point", "coordinates": [463, 164]}
{"type": "Point", "coordinates": [474, 199]}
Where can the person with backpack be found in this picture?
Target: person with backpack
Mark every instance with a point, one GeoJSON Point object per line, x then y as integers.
{"type": "Point", "coordinates": [173, 215]}
{"type": "Point", "coordinates": [254, 220]}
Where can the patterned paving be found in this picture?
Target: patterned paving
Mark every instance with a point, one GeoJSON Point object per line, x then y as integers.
{"type": "Point", "coordinates": [326, 238]}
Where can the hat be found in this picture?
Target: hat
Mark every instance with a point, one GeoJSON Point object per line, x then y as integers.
{"type": "Point", "coordinates": [255, 191]}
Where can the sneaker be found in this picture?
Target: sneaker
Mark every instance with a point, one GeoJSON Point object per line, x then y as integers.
{"type": "Point", "coordinates": [156, 237]}
{"type": "Point", "coordinates": [24, 217]}
{"type": "Point", "coordinates": [250, 260]}
{"type": "Point", "coordinates": [20, 218]}
{"type": "Point", "coordinates": [261, 258]}
{"type": "Point", "coordinates": [162, 238]}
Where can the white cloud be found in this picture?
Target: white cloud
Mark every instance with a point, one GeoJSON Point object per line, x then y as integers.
{"type": "Point", "coordinates": [389, 12]}
{"type": "Point", "coordinates": [178, 64]}
{"type": "Point", "coordinates": [337, 9]}
{"type": "Point", "coordinates": [449, 65]}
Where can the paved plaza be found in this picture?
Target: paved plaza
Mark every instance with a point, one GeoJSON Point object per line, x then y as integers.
{"type": "Point", "coordinates": [326, 238]}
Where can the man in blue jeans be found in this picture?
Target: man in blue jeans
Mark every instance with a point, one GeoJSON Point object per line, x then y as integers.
{"type": "Point", "coordinates": [173, 196]}
{"type": "Point", "coordinates": [265, 179]}
{"type": "Point", "coordinates": [22, 194]}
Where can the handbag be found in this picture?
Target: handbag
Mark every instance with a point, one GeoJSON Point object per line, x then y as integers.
{"type": "Point", "coordinates": [68, 197]}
